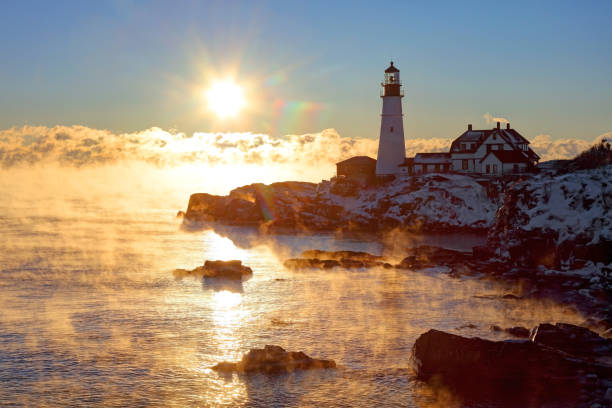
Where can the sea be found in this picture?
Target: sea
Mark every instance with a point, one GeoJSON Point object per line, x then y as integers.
{"type": "Point", "coordinates": [91, 313]}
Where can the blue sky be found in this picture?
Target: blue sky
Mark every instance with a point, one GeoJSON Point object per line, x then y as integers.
{"type": "Point", "coordinates": [131, 65]}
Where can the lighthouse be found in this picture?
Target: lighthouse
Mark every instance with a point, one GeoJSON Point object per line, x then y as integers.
{"type": "Point", "coordinates": [391, 147]}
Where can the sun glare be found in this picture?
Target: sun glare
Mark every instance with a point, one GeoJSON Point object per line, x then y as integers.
{"type": "Point", "coordinates": [225, 98]}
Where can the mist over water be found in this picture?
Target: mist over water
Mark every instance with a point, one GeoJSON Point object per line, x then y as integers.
{"type": "Point", "coordinates": [91, 314]}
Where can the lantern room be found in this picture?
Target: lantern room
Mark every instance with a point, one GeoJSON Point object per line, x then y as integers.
{"type": "Point", "coordinates": [392, 85]}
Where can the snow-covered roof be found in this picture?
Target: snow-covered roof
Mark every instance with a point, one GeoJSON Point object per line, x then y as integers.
{"type": "Point", "coordinates": [471, 136]}
{"type": "Point", "coordinates": [477, 137]}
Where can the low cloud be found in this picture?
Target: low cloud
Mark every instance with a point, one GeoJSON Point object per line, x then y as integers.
{"type": "Point", "coordinates": [78, 146]}
{"type": "Point", "coordinates": [549, 149]}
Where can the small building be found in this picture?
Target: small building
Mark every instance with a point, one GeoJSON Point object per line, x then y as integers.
{"type": "Point", "coordinates": [431, 163]}
{"type": "Point", "coordinates": [506, 149]}
{"type": "Point", "coordinates": [359, 168]}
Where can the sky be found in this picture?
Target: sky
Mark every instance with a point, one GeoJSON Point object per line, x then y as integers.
{"type": "Point", "coordinates": [126, 66]}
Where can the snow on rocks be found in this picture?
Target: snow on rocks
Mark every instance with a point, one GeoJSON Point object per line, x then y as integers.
{"type": "Point", "coordinates": [434, 202]}
{"type": "Point", "coordinates": [557, 220]}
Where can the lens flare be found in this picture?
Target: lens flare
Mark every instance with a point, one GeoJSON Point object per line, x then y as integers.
{"type": "Point", "coordinates": [225, 98]}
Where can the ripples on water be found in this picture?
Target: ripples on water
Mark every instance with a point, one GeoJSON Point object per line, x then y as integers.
{"type": "Point", "coordinates": [90, 313]}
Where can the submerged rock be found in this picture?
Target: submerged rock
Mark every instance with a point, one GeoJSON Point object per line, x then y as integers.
{"type": "Point", "coordinates": [217, 269]}
{"type": "Point", "coordinates": [273, 359]}
{"type": "Point", "coordinates": [516, 371]}
{"type": "Point", "coordinates": [339, 255]}
{"type": "Point", "coordinates": [317, 259]}
{"type": "Point", "coordinates": [309, 263]}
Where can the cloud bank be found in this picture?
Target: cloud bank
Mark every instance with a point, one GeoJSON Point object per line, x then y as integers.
{"type": "Point", "coordinates": [79, 146]}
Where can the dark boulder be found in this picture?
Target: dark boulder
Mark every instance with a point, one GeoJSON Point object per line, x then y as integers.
{"type": "Point", "coordinates": [272, 360]}
{"type": "Point", "coordinates": [521, 372]}
{"type": "Point", "coordinates": [217, 269]}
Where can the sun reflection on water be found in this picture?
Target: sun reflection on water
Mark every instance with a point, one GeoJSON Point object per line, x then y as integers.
{"type": "Point", "coordinates": [228, 315]}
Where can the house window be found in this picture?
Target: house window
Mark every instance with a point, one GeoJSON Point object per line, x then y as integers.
{"type": "Point", "coordinates": [516, 168]}
{"type": "Point", "coordinates": [391, 129]}
{"type": "Point", "coordinates": [488, 168]}
{"type": "Point", "coordinates": [464, 164]}
{"type": "Point", "coordinates": [495, 168]}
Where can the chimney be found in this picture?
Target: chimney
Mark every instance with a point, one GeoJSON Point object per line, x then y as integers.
{"type": "Point", "coordinates": [498, 124]}
{"type": "Point", "coordinates": [508, 125]}
{"type": "Point", "coordinates": [470, 126]}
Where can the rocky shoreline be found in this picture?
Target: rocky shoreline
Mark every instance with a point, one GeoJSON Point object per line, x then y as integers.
{"type": "Point", "coordinates": [587, 289]}
{"type": "Point", "coordinates": [553, 231]}
{"type": "Point", "coordinates": [549, 235]}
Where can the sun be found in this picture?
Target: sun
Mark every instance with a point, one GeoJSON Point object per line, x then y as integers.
{"type": "Point", "coordinates": [225, 98]}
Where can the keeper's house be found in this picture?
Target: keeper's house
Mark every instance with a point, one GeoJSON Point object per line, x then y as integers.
{"type": "Point", "coordinates": [492, 152]}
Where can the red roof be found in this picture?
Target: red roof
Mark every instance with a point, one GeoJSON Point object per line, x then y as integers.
{"type": "Point", "coordinates": [508, 156]}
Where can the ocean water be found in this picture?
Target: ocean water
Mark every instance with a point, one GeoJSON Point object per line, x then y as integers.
{"type": "Point", "coordinates": [92, 315]}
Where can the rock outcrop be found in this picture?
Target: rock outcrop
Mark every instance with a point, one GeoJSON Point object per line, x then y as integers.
{"type": "Point", "coordinates": [317, 259]}
{"type": "Point", "coordinates": [557, 220]}
{"type": "Point", "coordinates": [273, 360]}
{"type": "Point", "coordinates": [524, 372]}
{"type": "Point", "coordinates": [575, 340]}
{"type": "Point", "coordinates": [432, 202]}
{"type": "Point", "coordinates": [217, 269]}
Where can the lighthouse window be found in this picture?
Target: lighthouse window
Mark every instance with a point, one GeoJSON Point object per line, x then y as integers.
{"type": "Point", "coordinates": [391, 128]}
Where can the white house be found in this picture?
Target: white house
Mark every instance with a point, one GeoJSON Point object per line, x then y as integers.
{"type": "Point", "coordinates": [493, 152]}
{"type": "Point", "coordinates": [431, 163]}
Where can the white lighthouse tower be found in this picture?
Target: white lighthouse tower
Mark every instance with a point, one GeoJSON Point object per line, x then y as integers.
{"type": "Point", "coordinates": [391, 147]}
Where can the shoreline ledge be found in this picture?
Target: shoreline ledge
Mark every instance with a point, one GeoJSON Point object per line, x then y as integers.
{"type": "Point", "coordinates": [273, 360]}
